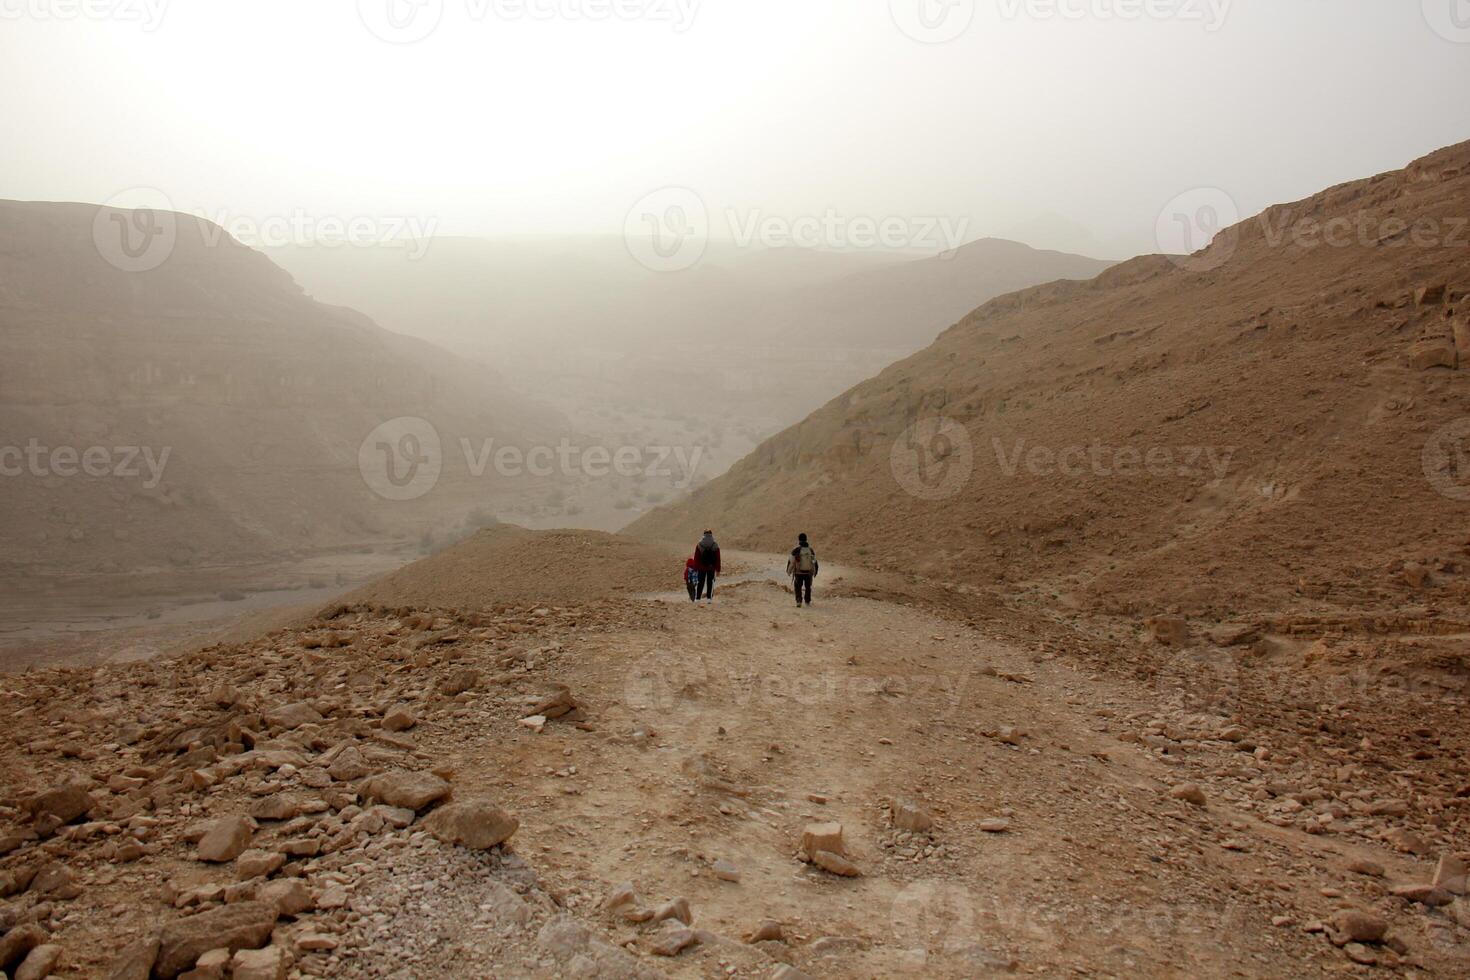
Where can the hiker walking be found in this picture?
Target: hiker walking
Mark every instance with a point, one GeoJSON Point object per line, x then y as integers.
{"type": "Point", "coordinates": [691, 580]}
{"type": "Point", "coordinates": [802, 567]}
{"type": "Point", "coordinates": [707, 564]}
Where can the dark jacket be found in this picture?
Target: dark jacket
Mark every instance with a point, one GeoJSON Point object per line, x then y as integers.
{"type": "Point", "coordinates": [707, 555]}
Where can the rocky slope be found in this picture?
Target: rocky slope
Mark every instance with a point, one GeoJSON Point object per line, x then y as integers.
{"type": "Point", "coordinates": [223, 410]}
{"type": "Point", "coordinates": [1268, 425]}
{"type": "Point", "coordinates": [628, 788]}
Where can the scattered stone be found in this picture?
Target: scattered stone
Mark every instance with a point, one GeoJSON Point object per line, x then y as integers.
{"type": "Point", "coordinates": [676, 908]}
{"type": "Point", "coordinates": [1170, 631]}
{"type": "Point", "coordinates": [995, 825]}
{"type": "Point", "coordinates": [1423, 894]}
{"type": "Point", "coordinates": [1364, 866]}
{"type": "Point", "coordinates": [258, 864]}
{"type": "Point", "coordinates": [1233, 634]}
{"type": "Point", "coordinates": [1453, 874]}
{"type": "Point", "coordinates": [726, 871]}
{"type": "Point", "coordinates": [556, 704]}
{"type": "Point", "coordinates": [213, 965]}
{"type": "Point", "coordinates": [909, 816]}
{"type": "Point", "coordinates": [535, 723]}
{"type": "Point", "coordinates": [835, 864]}
{"type": "Point", "coordinates": [1431, 295]}
{"type": "Point", "coordinates": [1356, 926]}
{"type": "Point", "coordinates": [1359, 953]}
{"type": "Point", "coordinates": [672, 942]}
{"type": "Point", "coordinates": [349, 765]}
{"type": "Point", "coordinates": [136, 961]}
{"type": "Point", "coordinates": [476, 824]}
{"type": "Point", "coordinates": [786, 971]}
{"type": "Point", "coordinates": [1190, 793]}
{"type": "Point", "coordinates": [288, 896]}
{"type": "Point", "coordinates": [277, 806]}
{"type": "Point", "coordinates": [1408, 841]}
{"type": "Point", "coordinates": [460, 681]}
{"type": "Point", "coordinates": [226, 839]}
{"type": "Point", "coordinates": [315, 942]}
{"type": "Point", "coordinates": [400, 718]}
{"type": "Point", "coordinates": [768, 931]}
{"type": "Point", "coordinates": [292, 716]}
{"type": "Point", "coordinates": [260, 964]}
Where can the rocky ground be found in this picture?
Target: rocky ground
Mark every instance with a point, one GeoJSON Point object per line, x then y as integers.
{"type": "Point", "coordinates": [907, 778]}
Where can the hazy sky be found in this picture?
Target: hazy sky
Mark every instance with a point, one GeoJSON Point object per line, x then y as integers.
{"type": "Point", "coordinates": [524, 116]}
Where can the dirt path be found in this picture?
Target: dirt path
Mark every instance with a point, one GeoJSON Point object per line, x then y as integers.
{"type": "Point", "coordinates": [705, 739]}
{"type": "Point", "coordinates": [721, 731]}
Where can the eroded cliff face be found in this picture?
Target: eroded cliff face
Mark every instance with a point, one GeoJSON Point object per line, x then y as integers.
{"type": "Point", "coordinates": [203, 411]}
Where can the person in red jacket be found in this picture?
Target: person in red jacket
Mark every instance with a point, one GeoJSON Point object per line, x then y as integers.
{"type": "Point", "coordinates": [691, 580]}
{"type": "Point", "coordinates": [707, 563]}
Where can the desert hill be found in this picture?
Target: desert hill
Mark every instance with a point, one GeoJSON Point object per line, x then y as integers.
{"type": "Point", "coordinates": [1292, 382]}
{"type": "Point", "coordinates": [506, 564]}
{"type": "Point", "coordinates": [229, 407]}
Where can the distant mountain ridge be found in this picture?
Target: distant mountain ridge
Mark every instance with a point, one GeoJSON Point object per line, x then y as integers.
{"type": "Point", "coordinates": [261, 396]}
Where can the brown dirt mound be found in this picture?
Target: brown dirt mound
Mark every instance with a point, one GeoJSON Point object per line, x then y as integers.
{"type": "Point", "coordinates": [507, 564]}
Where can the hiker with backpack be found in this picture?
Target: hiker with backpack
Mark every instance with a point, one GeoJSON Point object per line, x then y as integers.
{"type": "Point", "coordinates": [802, 567]}
{"type": "Point", "coordinates": [707, 564]}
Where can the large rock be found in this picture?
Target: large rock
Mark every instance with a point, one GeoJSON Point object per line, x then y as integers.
{"type": "Point", "coordinates": [477, 824]}
{"type": "Point", "coordinates": [1453, 874]}
{"type": "Point", "coordinates": [62, 803]}
{"type": "Point", "coordinates": [1432, 351]}
{"type": "Point", "coordinates": [136, 960]}
{"type": "Point", "coordinates": [411, 790]}
{"type": "Point", "coordinates": [1171, 631]}
{"type": "Point", "coordinates": [226, 839]}
{"type": "Point", "coordinates": [909, 816]}
{"type": "Point", "coordinates": [270, 963]}
{"type": "Point", "coordinates": [291, 716]}
{"type": "Point", "coordinates": [18, 943]}
{"type": "Point", "coordinates": [1355, 926]}
{"type": "Point", "coordinates": [246, 925]}
{"type": "Point", "coordinates": [835, 864]}
{"type": "Point", "coordinates": [40, 963]}
{"type": "Point", "coordinates": [400, 718]}
{"type": "Point", "coordinates": [349, 765]}
{"type": "Point", "coordinates": [822, 837]}
{"type": "Point", "coordinates": [289, 896]}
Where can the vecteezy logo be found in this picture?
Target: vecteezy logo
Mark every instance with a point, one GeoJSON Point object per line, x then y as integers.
{"type": "Point", "coordinates": [401, 459]}
{"type": "Point", "coordinates": [136, 231]}
{"type": "Point", "coordinates": [401, 21]}
{"type": "Point", "coordinates": [1446, 460]}
{"type": "Point", "coordinates": [1450, 19]}
{"type": "Point", "coordinates": [933, 458]}
{"type": "Point", "coordinates": [933, 918]}
{"type": "Point", "coordinates": [933, 21]}
{"type": "Point", "coordinates": [1195, 220]}
{"type": "Point", "coordinates": [667, 231]}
